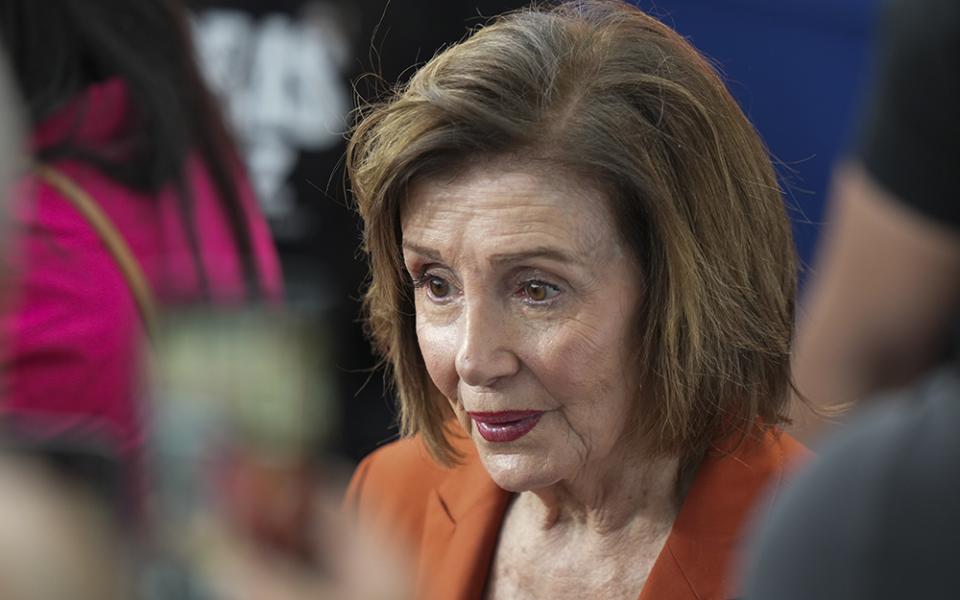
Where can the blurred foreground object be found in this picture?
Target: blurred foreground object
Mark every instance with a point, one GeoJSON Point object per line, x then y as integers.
{"type": "Point", "coordinates": [875, 517]}
{"type": "Point", "coordinates": [56, 541]}
{"type": "Point", "coordinates": [354, 563]}
{"type": "Point", "coordinates": [882, 304]}
{"type": "Point", "coordinates": [12, 156]}
{"type": "Point", "coordinates": [242, 503]}
{"type": "Point", "coordinates": [12, 161]}
{"type": "Point", "coordinates": [241, 406]}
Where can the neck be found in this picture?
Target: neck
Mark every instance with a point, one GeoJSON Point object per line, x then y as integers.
{"type": "Point", "coordinates": [628, 492]}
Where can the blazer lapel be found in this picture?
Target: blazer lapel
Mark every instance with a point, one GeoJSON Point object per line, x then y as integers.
{"type": "Point", "coordinates": [460, 531]}
{"type": "Point", "coordinates": [699, 556]}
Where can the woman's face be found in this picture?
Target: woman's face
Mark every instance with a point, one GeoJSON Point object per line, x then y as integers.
{"type": "Point", "coordinates": [524, 300]}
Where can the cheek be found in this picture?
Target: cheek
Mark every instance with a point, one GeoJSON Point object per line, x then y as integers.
{"type": "Point", "coordinates": [438, 348]}
{"type": "Point", "coordinates": [584, 370]}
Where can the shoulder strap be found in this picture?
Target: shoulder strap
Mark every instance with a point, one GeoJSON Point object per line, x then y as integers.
{"type": "Point", "coordinates": [111, 238]}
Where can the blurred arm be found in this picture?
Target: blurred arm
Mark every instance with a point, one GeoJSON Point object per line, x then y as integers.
{"type": "Point", "coordinates": [881, 301]}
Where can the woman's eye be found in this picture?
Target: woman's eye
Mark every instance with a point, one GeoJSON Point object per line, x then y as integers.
{"type": "Point", "coordinates": [439, 288]}
{"type": "Point", "coordinates": [538, 291]}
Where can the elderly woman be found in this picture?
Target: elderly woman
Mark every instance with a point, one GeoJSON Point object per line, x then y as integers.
{"type": "Point", "coordinates": [583, 282]}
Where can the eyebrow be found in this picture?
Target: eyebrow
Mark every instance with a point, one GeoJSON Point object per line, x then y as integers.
{"type": "Point", "coordinates": [424, 251]}
{"type": "Point", "coordinates": [546, 252]}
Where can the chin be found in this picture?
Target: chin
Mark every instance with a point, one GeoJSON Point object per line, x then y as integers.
{"type": "Point", "coordinates": [517, 471]}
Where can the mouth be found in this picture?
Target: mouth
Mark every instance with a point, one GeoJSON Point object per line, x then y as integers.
{"type": "Point", "coordinates": [505, 426]}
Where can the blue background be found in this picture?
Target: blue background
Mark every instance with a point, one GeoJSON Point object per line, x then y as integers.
{"type": "Point", "coordinates": [798, 69]}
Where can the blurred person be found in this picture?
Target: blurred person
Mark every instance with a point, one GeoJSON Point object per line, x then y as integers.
{"type": "Point", "coordinates": [582, 282]}
{"type": "Point", "coordinates": [877, 515]}
{"type": "Point", "coordinates": [55, 541]}
{"type": "Point", "coordinates": [874, 517]}
{"type": "Point", "coordinates": [121, 126]}
{"type": "Point", "coordinates": [882, 303]}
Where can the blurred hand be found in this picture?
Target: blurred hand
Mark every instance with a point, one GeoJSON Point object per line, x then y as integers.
{"type": "Point", "coordinates": [352, 564]}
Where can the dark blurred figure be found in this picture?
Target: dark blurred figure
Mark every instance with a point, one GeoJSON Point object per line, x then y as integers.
{"type": "Point", "coordinates": [878, 514]}
{"type": "Point", "coordinates": [122, 126]}
{"type": "Point", "coordinates": [286, 71]}
{"type": "Point", "coordinates": [882, 303]}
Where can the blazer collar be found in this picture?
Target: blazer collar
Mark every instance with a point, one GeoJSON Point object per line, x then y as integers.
{"type": "Point", "coordinates": [460, 530]}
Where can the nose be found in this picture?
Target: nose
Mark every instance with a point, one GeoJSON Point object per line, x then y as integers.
{"type": "Point", "coordinates": [484, 354]}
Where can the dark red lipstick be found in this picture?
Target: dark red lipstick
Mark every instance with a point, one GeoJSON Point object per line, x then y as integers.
{"type": "Point", "coordinates": [505, 426]}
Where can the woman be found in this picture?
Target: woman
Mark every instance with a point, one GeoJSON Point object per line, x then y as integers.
{"type": "Point", "coordinates": [117, 111]}
{"type": "Point", "coordinates": [583, 281]}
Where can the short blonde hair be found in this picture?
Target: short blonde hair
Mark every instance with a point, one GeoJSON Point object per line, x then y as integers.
{"type": "Point", "coordinates": [605, 91]}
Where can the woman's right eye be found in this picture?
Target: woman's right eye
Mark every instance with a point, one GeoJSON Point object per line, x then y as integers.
{"type": "Point", "coordinates": [438, 287]}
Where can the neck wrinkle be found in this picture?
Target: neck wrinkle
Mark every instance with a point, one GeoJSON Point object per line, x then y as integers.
{"type": "Point", "coordinates": [631, 495]}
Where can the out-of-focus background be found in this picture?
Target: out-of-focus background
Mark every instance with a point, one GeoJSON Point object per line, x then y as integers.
{"type": "Point", "coordinates": [287, 72]}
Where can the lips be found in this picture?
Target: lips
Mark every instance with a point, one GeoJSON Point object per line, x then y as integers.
{"type": "Point", "coordinates": [505, 426]}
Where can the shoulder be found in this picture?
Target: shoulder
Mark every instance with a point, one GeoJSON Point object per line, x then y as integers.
{"type": "Point", "coordinates": [391, 488]}
{"type": "Point", "coordinates": [732, 484]}
{"type": "Point", "coordinates": [400, 471]}
{"type": "Point", "coordinates": [61, 264]}
{"type": "Point", "coordinates": [71, 329]}
{"type": "Point", "coordinates": [791, 452]}
{"type": "Point", "coordinates": [767, 454]}
{"type": "Point", "coordinates": [769, 462]}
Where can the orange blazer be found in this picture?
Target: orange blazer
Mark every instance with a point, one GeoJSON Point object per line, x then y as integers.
{"type": "Point", "coordinates": [449, 519]}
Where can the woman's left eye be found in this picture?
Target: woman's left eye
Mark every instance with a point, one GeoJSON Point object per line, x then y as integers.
{"type": "Point", "coordinates": [538, 291]}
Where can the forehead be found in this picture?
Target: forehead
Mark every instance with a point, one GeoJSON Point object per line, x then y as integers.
{"type": "Point", "coordinates": [493, 204]}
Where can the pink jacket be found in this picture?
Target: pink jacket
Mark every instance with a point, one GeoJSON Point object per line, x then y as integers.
{"type": "Point", "coordinates": [70, 330]}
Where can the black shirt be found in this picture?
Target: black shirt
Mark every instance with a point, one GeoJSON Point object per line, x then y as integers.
{"type": "Point", "coordinates": [910, 142]}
